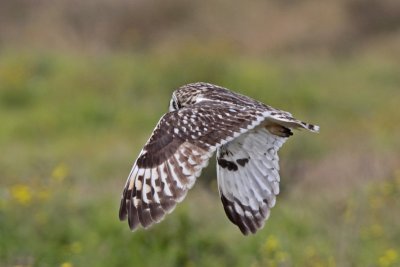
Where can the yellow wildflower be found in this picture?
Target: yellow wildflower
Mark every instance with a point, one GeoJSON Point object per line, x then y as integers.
{"type": "Point", "coordinates": [272, 244]}
{"type": "Point", "coordinates": [22, 194]}
{"type": "Point", "coordinates": [66, 264]}
{"type": "Point", "coordinates": [389, 258]}
{"type": "Point", "coordinates": [60, 172]}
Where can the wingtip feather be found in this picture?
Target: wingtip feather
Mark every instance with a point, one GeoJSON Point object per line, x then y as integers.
{"type": "Point", "coordinates": [313, 128]}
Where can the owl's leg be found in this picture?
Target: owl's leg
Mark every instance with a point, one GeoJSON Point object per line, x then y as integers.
{"type": "Point", "coordinates": [278, 130]}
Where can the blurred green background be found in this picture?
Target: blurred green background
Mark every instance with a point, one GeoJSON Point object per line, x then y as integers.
{"type": "Point", "coordinates": [83, 83]}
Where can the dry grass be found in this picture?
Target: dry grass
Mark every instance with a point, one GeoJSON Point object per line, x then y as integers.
{"type": "Point", "coordinates": [283, 28]}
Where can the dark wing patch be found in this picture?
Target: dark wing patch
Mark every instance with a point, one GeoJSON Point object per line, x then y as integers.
{"type": "Point", "coordinates": [226, 164]}
{"type": "Point", "coordinates": [242, 162]}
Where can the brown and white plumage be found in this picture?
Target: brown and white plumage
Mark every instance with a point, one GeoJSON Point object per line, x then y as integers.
{"type": "Point", "coordinates": [204, 118]}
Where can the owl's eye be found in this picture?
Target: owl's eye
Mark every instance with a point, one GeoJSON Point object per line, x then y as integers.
{"type": "Point", "coordinates": [174, 105]}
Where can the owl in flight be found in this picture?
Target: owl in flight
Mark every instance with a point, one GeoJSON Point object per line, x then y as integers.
{"type": "Point", "coordinates": [204, 118]}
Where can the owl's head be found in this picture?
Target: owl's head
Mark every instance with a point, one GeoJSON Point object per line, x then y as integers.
{"type": "Point", "coordinates": [191, 94]}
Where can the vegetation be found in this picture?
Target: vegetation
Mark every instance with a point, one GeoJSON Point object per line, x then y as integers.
{"type": "Point", "coordinates": [83, 83]}
{"type": "Point", "coordinates": [71, 126]}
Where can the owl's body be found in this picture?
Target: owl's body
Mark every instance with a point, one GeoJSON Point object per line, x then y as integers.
{"type": "Point", "coordinates": [204, 118]}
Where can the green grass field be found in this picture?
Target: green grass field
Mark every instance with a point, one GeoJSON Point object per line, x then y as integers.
{"type": "Point", "coordinates": [72, 125]}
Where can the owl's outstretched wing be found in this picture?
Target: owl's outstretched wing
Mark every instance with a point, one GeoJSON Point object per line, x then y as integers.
{"type": "Point", "coordinates": [248, 175]}
{"type": "Point", "coordinates": [172, 159]}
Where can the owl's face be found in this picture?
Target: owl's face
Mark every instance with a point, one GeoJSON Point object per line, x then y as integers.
{"type": "Point", "coordinates": [188, 95]}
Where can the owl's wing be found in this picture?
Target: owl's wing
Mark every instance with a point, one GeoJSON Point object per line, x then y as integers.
{"type": "Point", "coordinates": [248, 175]}
{"type": "Point", "coordinates": [172, 159]}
